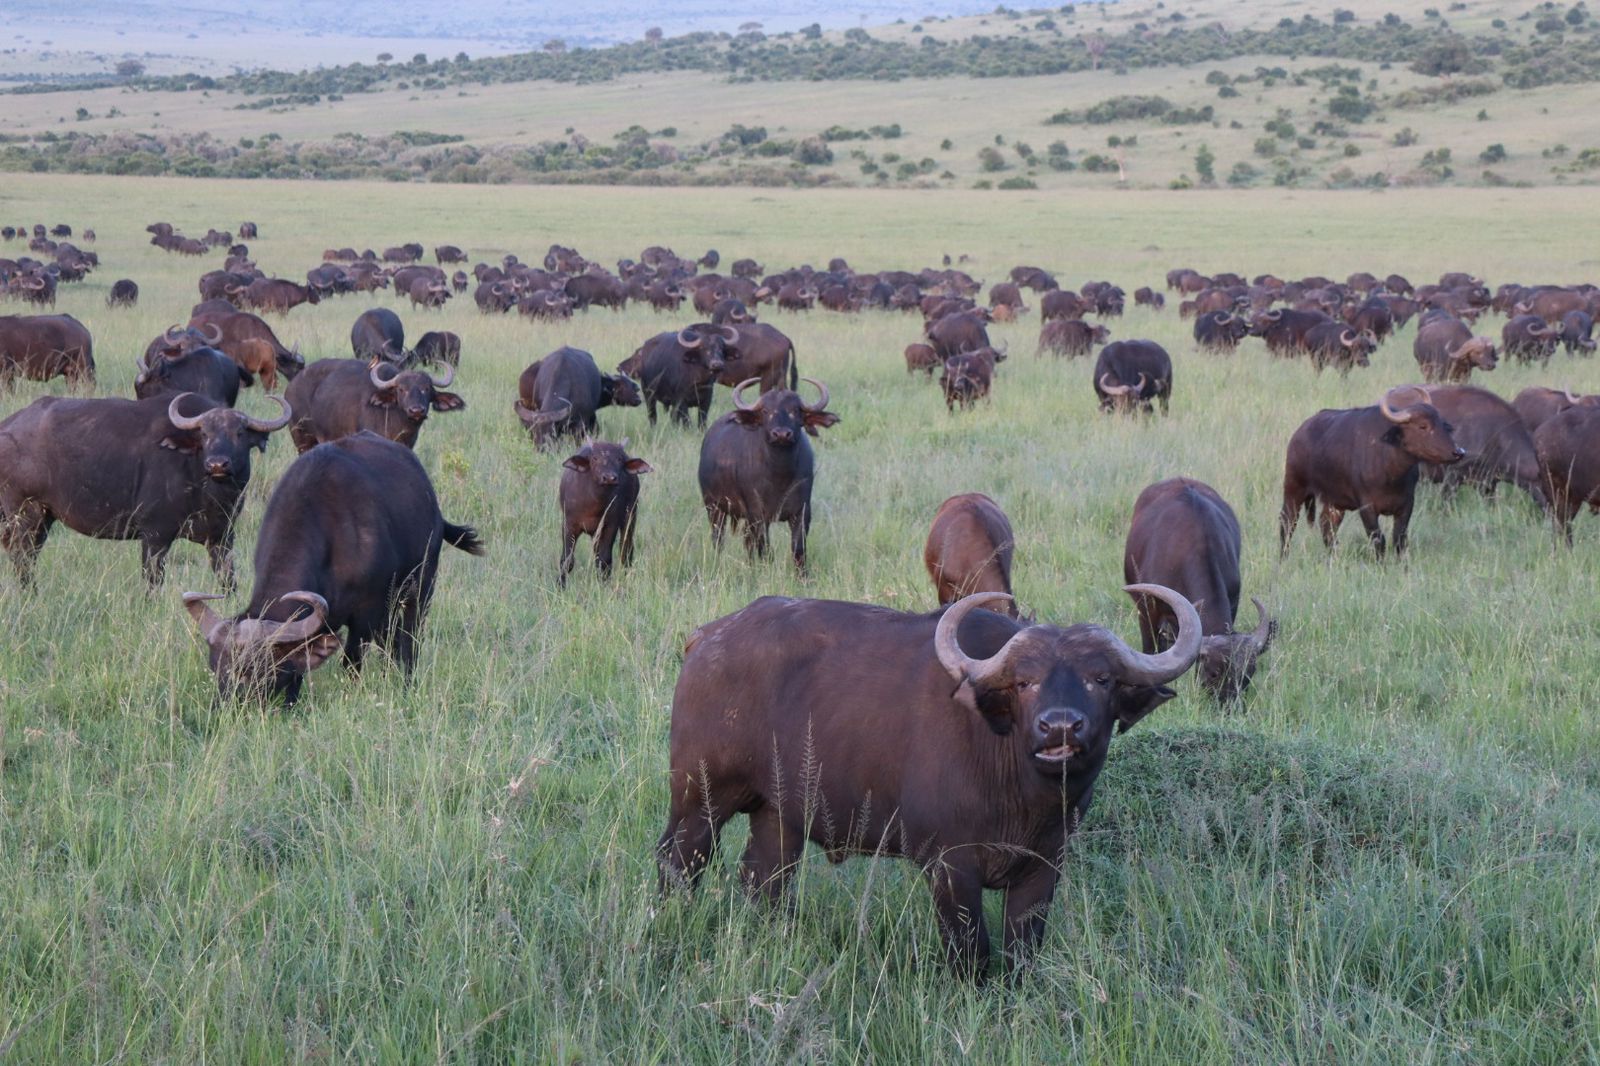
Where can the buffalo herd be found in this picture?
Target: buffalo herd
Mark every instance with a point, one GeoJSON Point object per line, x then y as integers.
{"type": "Point", "coordinates": [352, 534]}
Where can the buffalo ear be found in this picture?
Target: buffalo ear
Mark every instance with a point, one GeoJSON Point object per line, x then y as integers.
{"type": "Point", "coordinates": [1131, 704]}
{"type": "Point", "coordinates": [187, 443]}
{"type": "Point", "coordinates": [382, 398]}
{"type": "Point", "coordinates": [1392, 435]}
{"type": "Point", "coordinates": [820, 420]}
{"type": "Point", "coordinates": [245, 377]}
{"type": "Point", "coordinates": [448, 401]}
{"type": "Point", "coordinates": [995, 705]}
{"type": "Point", "coordinates": [577, 462]}
{"type": "Point", "coordinates": [638, 466]}
{"type": "Point", "coordinates": [304, 656]}
{"type": "Point", "coordinates": [258, 441]}
{"type": "Point", "coordinates": [749, 419]}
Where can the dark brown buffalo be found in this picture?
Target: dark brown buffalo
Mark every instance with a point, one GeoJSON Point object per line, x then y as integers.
{"type": "Point", "coordinates": [1284, 329]}
{"type": "Point", "coordinates": [599, 496]}
{"type": "Point", "coordinates": [1576, 327]}
{"type": "Point", "coordinates": [125, 293]}
{"type": "Point", "coordinates": [1373, 316]}
{"type": "Point", "coordinates": [1446, 350]}
{"type": "Point", "coordinates": [1063, 303]}
{"type": "Point", "coordinates": [278, 294]}
{"type": "Point", "coordinates": [1536, 405]}
{"type": "Point", "coordinates": [1553, 304]}
{"type": "Point", "coordinates": [379, 334]}
{"type": "Point", "coordinates": [1186, 537]}
{"type": "Point", "coordinates": [955, 334]}
{"type": "Point", "coordinates": [559, 395]}
{"type": "Point", "coordinates": [1220, 331]}
{"type": "Point", "coordinates": [756, 466]}
{"type": "Point", "coordinates": [969, 549]}
{"type": "Point", "coordinates": [1568, 446]}
{"type": "Point", "coordinates": [1070, 337]}
{"type": "Point", "coordinates": [679, 370]}
{"type": "Point", "coordinates": [428, 292]}
{"type": "Point", "coordinates": [1145, 296]}
{"type": "Point", "coordinates": [438, 346]}
{"type": "Point", "coordinates": [1339, 346]}
{"type": "Point", "coordinates": [757, 350]}
{"type": "Point", "coordinates": [1006, 294]}
{"type": "Point", "coordinates": [152, 470]}
{"type": "Point", "coordinates": [495, 297]}
{"type": "Point", "coordinates": [851, 723]}
{"type": "Point", "coordinates": [449, 253]}
{"type": "Point", "coordinates": [1529, 339]}
{"type": "Point", "coordinates": [41, 347]}
{"type": "Point", "coordinates": [596, 290]}
{"type": "Point", "coordinates": [1130, 375]}
{"type": "Point", "coordinates": [1363, 459]}
{"type": "Point", "coordinates": [350, 540]}
{"type": "Point", "coordinates": [1498, 446]}
{"type": "Point", "coordinates": [251, 343]}
{"type": "Point", "coordinates": [967, 378]}
{"type": "Point", "coordinates": [334, 398]}
{"type": "Point", "coordinates": [921, 357]}
{"type": "Point", "coordinates": [185, 361]}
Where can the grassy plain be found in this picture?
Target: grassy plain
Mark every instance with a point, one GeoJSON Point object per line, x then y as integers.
{"type": "Point", "coordinates": [1391, 853]}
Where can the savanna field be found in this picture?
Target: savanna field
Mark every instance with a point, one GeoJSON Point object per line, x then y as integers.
{"type": "Point", "coordinates": [1390, 852]}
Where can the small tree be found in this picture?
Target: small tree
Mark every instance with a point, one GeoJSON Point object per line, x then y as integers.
{"type": "Point", "coordinates": [990, 159]}
{"type": "Point", "coordinates": [385, 57]}
{"type": "Point", "coordinates": [654, 34]}
{"type": "Point", "coordinates": [555, 46]}
{"type": "Point", "coordinates": [1443, 57]}
{"type": "Point", "coordinates": [1205, 161]}
{"type": "Point", "coordinates": [749, 27]}
{"type": "Point", "coordinates": [1096, 47]}
{"type": "Point", "coordinates": [130, 68]}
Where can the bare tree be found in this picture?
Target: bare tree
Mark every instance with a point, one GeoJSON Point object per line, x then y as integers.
{"type": "Point", "coordinates": [555, 46]}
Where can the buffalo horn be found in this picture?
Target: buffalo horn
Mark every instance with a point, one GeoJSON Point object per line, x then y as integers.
{"type": "Point", "coordinates": [1113, 390]}
{"type": "Point", "coordinates": [182, 422]}
{"type": "Point", "coordinates": [1261, 636]}
{"type": "Point", "coordinates": [957, 663]}
{"type": "Point", "coordinates": [213, 333]}
{"type": "Point", "coordinates": [539, 418]}
{"type": "Point", "coordinates": [1570, 398]}
{"type": "Point", "coordinates": [376, 374]}
{"type": "Point", "coordinates": [173, 335]}
{"type": "Point", "coordinates": [449, 376]}
{"type": "Point", "coordinates": [284, 414]}
{"type": "Point", "coordinates": [1398, 417]}
{"type": "Point", "coordinates": [1348, 338]}
{"type": "Point", "coordinates": [730, 335]}
{"type": "Point", "coordinates": [688, 338]}
{"type": "Point", "coordinates": [210, 623]}
{"type": "Point", "coordinates": [1140, 669]}
{"type": "Point", "coordinates": [820, 405]}
{"type": "Point", "coordinates": [738, 401]}
{"type": "Point", "coordinates": [261, 630]}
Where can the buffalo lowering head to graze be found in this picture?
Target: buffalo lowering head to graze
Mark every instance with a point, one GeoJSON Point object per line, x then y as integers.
{"type": "Point", "coordinates": [1220, 331]}
{"type": "Point", "coordinates": [1446, 349]}
{"type": "Point", "coordinates": [184, 360]}
{"type": "Point", "coordinates": [893, 703]}
{"type": "Point", "coordinates": [334, 398]}
{"type": "Point", "coordinates": [41, 347]}
{"type": "Point", "coordinates": [379, 334]}
{"type": "Point", "coordinates": [1334, 344]}
{"type": "Point", "coordinates": [1497, 446]}
{"type": "Point", "coordinates": [1131, 375]}
{"type": "Point", "coordinates": [1529, 339]}
{"type": "Point", "coordinates": [1070, 337]}
{"type": "Point", "coordinates": [124, 293]}
{"type": "Point", "coordinates": [350, 540]}
{"type": "Point", "coordinates": [559, 395]}
{"type": "Point", "coordinates": [251, 343]}
{"type": "Point", "coordinates": [1568, 447]}
{"type": "Point", "coordinates": [969, 549]}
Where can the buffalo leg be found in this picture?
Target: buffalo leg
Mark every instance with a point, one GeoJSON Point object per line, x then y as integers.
{"type": "Point", "coordinates": [1027, 904]}
{"type": "Point", "coordinates": [650, 406]}
{"type": "Point", "coordinates": [221, 555]}
{"type": "Point", "coordinates": [629, 524]}
{"type": "Point", "coordinates": [755, 539]}
{"type": "Point", "coordinates": [770, 857]}
{"type": "Point", "coordinates": [357, 638]}
{"type": "Point", "coordinates": [23, 536]}
{"type": "Point", "coordinates": [799, 526]}
{"type": "Point", "coordinates": [689, 842]}
{"type": "Point", "coordinates": [1329, 522]}
{"type": "Point", "coordinates": [1294, 497]}
{"type": "Point", "coordinates": [958, 899]}
{"type": "Point", "coordinates": [569, 543]}
{"type": "Point", "coordinates": [605, 542]}
{"type": "Point", "coordinates": [1369, 519]}
{"type": "Point", "coordinates": [154, 554]}
{"type": "Point", "coordinates": [719, 525]}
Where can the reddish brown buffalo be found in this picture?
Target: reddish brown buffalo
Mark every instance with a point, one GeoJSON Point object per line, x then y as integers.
{"type": "Point", "coordinates": [969, 549]}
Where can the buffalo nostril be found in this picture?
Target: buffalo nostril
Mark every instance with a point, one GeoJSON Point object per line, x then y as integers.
{"type": "Point", "coordinates": [1076, 725]}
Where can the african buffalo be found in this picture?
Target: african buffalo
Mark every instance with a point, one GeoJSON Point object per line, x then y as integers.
{"type": "Point", "coordinates": [1339, 346]}
{"type": "Point", "coordinates": [1062, 303]}
{"type": "Point", "coordinates": [757, 350]}
{"type": "Point", "coordinates": [1446, 350]}
{"type": "Point", "coordinates": [1528, 339]}
{"type": "Point", "coordinates": [842, 723]}
{"type": "Point", "coordinates": [756, 466]}
{"type": "Point", "coordinates": [1362, 459]}
{"type": "Point", "coordinates": [967, 378]}
{"type": "Point", "coordinates": [428, 292]}
{"type": "Point", "coordinates": [334, 398]}
{"type": "Point", "coordinates": [1220, 331]}
{"type": "Point", "coordinates": [350, 540]}
{"type": "Point", "coordinates": [1185, 536]}
{"type": "Point", "coordinates": [1568, 446]}
{"type": "Point", "coordinates": [277, 294]}
{"type": "Point", "coordinates": [1128, 375]}
{"type": "Point", "coordinates": [954, 334]}
{"type": "Point", "coordinates": [1284, 329]}
{"type": "Point", "coordinates": [40, 347]}
{"type": "Point", "coordinates": [680, 370]}
{"type": "Point", "coordinates": [599, 495]}
{"type": "Point", "coordinates": [1535, 405]}
{"type": "Point", "coordinates": [153, 470]}
{"type": "Point", "coordinates": [438, 346]}
{"type": "Point", "coordinates": [921, 357]}
{"type": "Point", "coordinates": [560, 394]}
{"type": "Point", "coordinates": [1498, 446]}
{"type": "Point", "coordinates": [1576, 327]}
{"type": "Point", "coordinates": [448, 253]}
{"type": "Point", "coordinates": [251, 343]}
{"type": "Point", "coordinates": [969, 549]}
{"type": "Point", "coordinates": [125, 293]}
{"type": "Point", "coordinates": [184, 361]}
{"type": "Point", "coordinates": [1070, 337]}
{"type": "Point", "coordinates": [379, 334]}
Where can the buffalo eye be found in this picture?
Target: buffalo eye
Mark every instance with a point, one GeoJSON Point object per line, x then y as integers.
{"type": "Point", "coordinates": [1103, 680]}
{"type": "Point", "coordinates": [1448, 428]}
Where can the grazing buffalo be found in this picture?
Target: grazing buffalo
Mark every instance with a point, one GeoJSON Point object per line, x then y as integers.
{"type": "Point", "coordinates": [248, 231]}
{"type": "Point", "coordinates": [1374, 316]}
{"type": "Point", "coordinates": [379, 334]}
{"type": "Point", "coordinates": [756, 466]}
{"type": "Point", "coordinates": [1148, 297]}
{"type": "Point", "coordinates": [679, 370]}
{"type": "Point", "coordinates": [1070, 337]}
{"type": "Point", "coordinates": [1576, 327]}
{"type": "Point", "coordinates": [278, 294]}
{"type": "Point", "coordinates": [1129, 375]}
{"type": "Point", "coordinates": [1284, 329]}
{"type": "Point", "coordinates": [428, 292]}
{"type": "Point", "coordinates": [251, 343]}
{"type": "Point", "coordinates": [1337, 345]}
{"type": "Point", "coordinates": [1186, 537]}
{"type": "Point", "coordinates": [152, 470]}
{"type": "Point", "coordinates": [954, 334]}
{"type": "Point", "coordinates": [350, 540]}
{"type": "Point", "coordinates": [125, 293]}
{"type": "Point", "coordinates": [967, 378]}
{"type": "Point", "coordinates": [185, 361]}
{"type": "Point", "coordinates": [757, 350]}
{"type": "Point", "coordinates": [921, 357]}
{"type": "Point", "coordinates": [1498, 446]}
{"type": "Point", "coordinates": [436, 347]}
{"type": "Point", "coordinates": [596, 290]}
{"type": "Point", "coordinates": [969, 549]}
{"type": "Point", "coordinates": [1568, 446]}
{"type": "Point", "coordinates": [1062, 303]}
{"type": "Point", "coordinates": [1220, 331]}
{"type": "Point", "coordinates": [967, 742]}
{"type": "Point", "coordinates": [1528, 339]}
{"type": "Point", "coordinates": [1363, 459]}
{"type": "Point", "coordinates": [1446, 350]}
{"type": "Point", "coordinates": [334, 398]}
{"type": "Point", "coordinates": [449, 253]}
{"type": "Point", "coordinates": [495, 297]}
{"type": "Point", "coordinates": [599, 496]}
{"type": "Point", "coordinates": [560, 394]}
{"type": "Point", "coordinates": [40, 347]}
{"type": "Point", "coordinates": [1535, 406]}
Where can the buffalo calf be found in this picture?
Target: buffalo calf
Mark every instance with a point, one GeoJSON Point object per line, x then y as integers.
{"type": "Point", "coordinates": [600, 496]}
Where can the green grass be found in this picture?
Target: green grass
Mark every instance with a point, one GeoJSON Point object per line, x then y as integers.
{"type": "Point", "coordinates": [1390, 854]}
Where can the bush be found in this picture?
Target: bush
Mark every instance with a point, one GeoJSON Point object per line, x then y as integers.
{"type": "Point", "coordinates": [1017, 183]}
{"type": "Point", "coordinates": [813, 151]}
{"type": "Point", "coordinates": [1204, 164]}
{"type": "Point", "coordinates": [1227, 92]}
{"type": "Point", "coordinates": [1495, 153]}
{"type": "Point", "coordinates": [990, 159]}
{"type": "Point", "coordinates": [1243, 174]}
{"type": "Point", "coordinates": [1349, 105]}
{"type": "Point", "coordinates": [1405, 138]}
{"type": "Point", "coordinates": [1115, 109]}
{"type": "Point", "coordinates": [1266, 146]}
